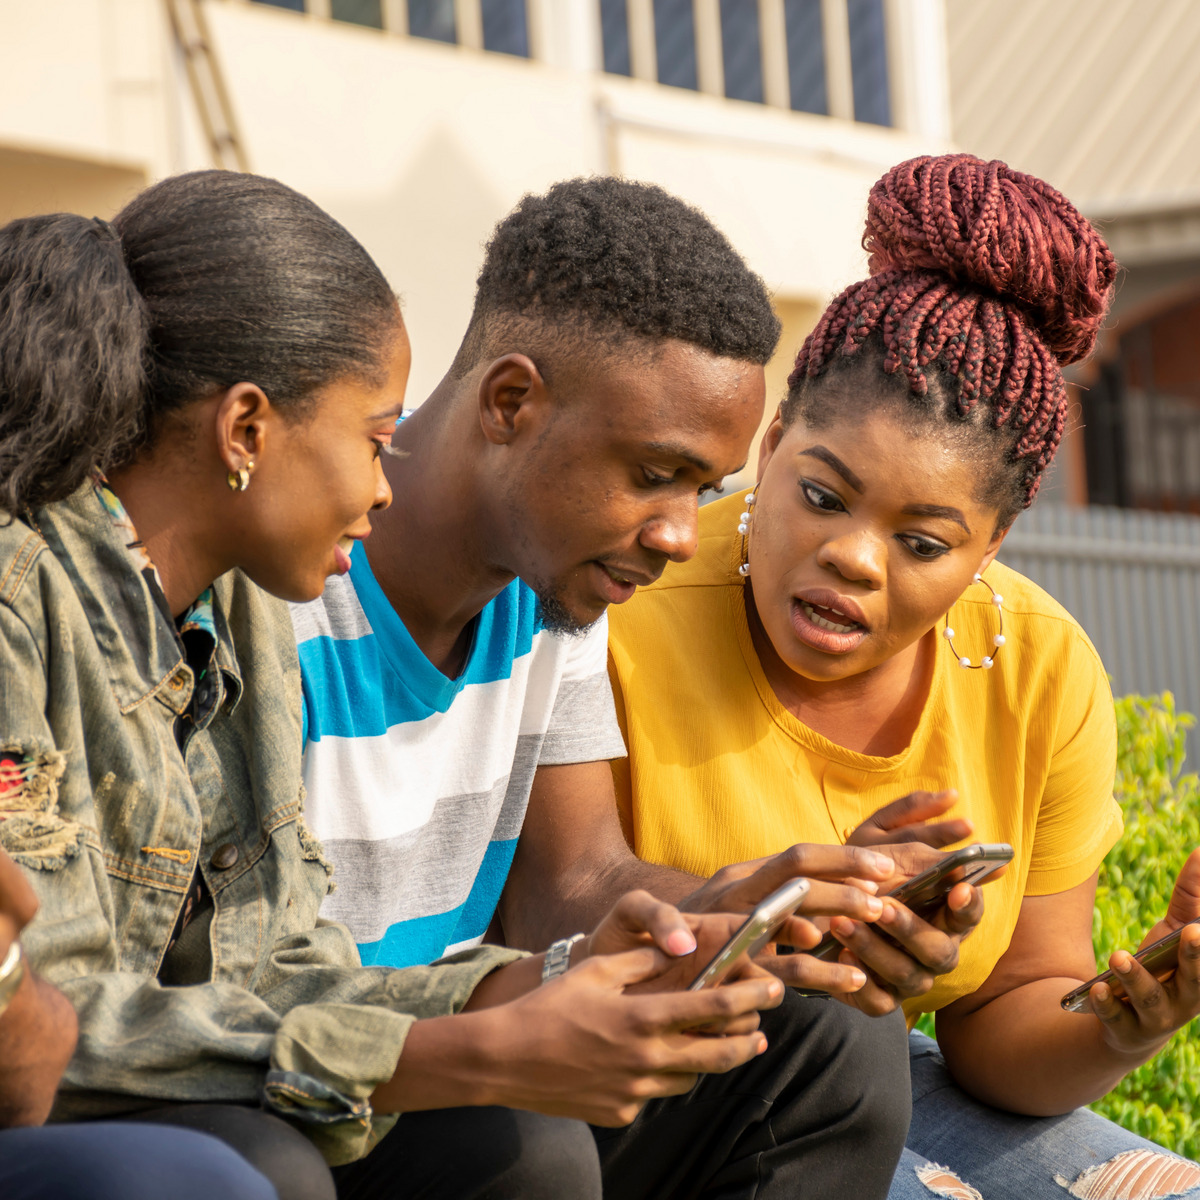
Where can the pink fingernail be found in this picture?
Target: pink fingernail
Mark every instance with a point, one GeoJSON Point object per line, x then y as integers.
{"type": "Point", "coordinates": [680, 943]}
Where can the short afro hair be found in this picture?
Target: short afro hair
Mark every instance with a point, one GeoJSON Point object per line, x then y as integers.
{"type": "Point", "coordinates": [608, 259]}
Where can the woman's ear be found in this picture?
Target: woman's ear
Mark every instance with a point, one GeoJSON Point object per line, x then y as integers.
{"type": "Point", "coordinates": [511, 392]}
{"type": "Point", "coordinates": [993, 549]}
{"type": "Point", "coordinates": [242, 418]}
{"type": "Point", "coordinates": [769, 444]}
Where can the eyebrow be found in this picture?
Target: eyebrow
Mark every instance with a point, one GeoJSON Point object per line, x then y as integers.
{"type": "Point", "coordinates": [938, 510]}
{"type": "Point", "coordinates": [831, 460]}
{"type": "Point", "coordinates": [671, 450]}
{"type": "Point", "coordinates": [395, 411]}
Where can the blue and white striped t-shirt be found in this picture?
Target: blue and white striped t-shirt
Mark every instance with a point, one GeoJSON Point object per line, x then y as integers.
{"type": "Point", "coordinates": [417, 784]}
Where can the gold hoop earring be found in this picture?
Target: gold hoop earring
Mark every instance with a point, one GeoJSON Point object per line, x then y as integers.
{"type": "Point", "coordinates": [239, 480]}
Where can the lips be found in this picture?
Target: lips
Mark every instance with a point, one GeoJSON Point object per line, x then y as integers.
{"type": "Point", "coordinates": [828, 622]}
{"type": "Point", "coordinates": [617, 585]}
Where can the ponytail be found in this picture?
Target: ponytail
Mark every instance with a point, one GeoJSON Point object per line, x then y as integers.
{"type": "Point", "coordinates": [73, 340]}
{"type": "Point", "coordinates": [203, 281]}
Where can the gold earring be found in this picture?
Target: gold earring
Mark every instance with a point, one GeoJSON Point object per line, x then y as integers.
{"type": "Point", "coordinates": [239, 480]}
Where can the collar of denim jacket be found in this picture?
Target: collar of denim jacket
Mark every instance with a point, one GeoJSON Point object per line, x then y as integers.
{"type": "Point", "coordinates": [131, 623]}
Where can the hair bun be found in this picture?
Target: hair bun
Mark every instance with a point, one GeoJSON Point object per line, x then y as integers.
{"type": "Point", "coordinates": [999, 231]}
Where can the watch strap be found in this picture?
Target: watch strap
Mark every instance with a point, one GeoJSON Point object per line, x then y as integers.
{"type": "Point", "coordinates": [558, 957]}
{"type": "Point", "coordinates": [12, 971]}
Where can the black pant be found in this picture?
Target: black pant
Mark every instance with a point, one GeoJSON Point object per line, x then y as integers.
{"type": "Point", "coordinates": [822, 1115]}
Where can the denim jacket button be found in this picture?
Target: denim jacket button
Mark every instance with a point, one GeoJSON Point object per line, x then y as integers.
{"type": "Point", "coordinates": [224, 856]}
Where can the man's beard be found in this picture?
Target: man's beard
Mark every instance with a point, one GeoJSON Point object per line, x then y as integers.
{"type": "Point", "coordinates": [554, 616]}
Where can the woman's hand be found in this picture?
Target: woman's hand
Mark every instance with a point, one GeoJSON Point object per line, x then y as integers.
{"type": "Point", "coordinates": [910, 819]}
{"type": "Point", "coordinates": [1140, 1016]}
{"type": "Point", "coordinates": [918, 952]}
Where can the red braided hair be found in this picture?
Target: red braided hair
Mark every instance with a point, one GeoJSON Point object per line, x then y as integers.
{"type": "Point", "coordinates": [991, 278]}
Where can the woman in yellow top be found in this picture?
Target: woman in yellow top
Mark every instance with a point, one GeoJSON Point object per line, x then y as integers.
{"type": "Point", "coordinates": [843, 637]}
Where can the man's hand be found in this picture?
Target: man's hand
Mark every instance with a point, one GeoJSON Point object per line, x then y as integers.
{"type": "Point", "coordinates": [843, 882]}
{"type": "Point", "coordinates": [1141, 1014]}
{"type": "Point", "coordinates": [582, 1047]}
{"type": "Point", "coordinates": [910, 819]}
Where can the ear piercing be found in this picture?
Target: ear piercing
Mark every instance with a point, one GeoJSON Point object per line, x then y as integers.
{"type": "Point", "coordinates": [743, 529]}
{"type": "Point", "coordinates": [239, 480]}
{"type": "Point", "coordinates": [988, 661]}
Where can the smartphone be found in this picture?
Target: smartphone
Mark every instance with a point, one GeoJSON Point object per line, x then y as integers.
{"type": "Point", "coordinates": [925, 893]}
{"type": "Point", "coordinates": [757, 930]}
{"type": "Point", "coordinates": [1159, 958]}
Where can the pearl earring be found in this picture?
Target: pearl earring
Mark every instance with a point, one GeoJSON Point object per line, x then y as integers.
{"type": "Point", "coordinates": [743, 529]}
{"type": "Point", "coordinates": [988, 661]}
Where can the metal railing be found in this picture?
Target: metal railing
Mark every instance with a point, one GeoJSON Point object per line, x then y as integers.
{"type": "Point", "coordinates": [1132, 580]}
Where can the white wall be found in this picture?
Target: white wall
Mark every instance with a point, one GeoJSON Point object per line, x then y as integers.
{"type": "Point", "coordinates": [419, 148]}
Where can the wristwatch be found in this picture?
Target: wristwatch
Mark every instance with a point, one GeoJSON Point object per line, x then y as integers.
{"type": "Point", "coordinates": [558, 957]}
{"type": "Point", "coordinates": [12, 971]}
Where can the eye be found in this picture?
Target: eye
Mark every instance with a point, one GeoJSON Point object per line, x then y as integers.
{"type": "Point", "coordinates": [821, 498]}
{"type": "Point", "coordinates": [654, 479]}
{"type": "Point", "coordinates": [717, 487]}
{"type": "Point", "coordinates": [923, 547]}
{"type": "Point", "coordinates": [383, 441]}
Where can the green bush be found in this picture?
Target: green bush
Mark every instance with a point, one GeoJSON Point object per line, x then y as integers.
{"type": "Point", "coordinates": [1160, 1100]}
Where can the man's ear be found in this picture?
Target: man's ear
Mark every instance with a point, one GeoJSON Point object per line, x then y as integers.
{"type": "Point", "coordinates": [243, 416]}
{"type": "Point", "coordinates": [769, 444]}
{"type": "Point", "coordinates": [512, 397]}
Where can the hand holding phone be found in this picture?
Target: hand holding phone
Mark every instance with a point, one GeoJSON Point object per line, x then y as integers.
{"type": "Point", "coordinates": [925, 893]}
{"type": "Point", "coordinates": [754, 933]}
{"type": "Point", "coordinates": [1160, 958]}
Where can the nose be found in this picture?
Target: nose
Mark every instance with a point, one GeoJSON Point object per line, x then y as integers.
{"type": "Point", "coordinates": [857, 556]}
{"type": "Point", "coordinates": [673, 531]}
{"type": "Point", "coordinates": [383, 489]}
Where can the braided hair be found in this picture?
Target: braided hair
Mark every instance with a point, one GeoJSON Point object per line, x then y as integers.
{"type": "Point", "coordinates": [984, 283]}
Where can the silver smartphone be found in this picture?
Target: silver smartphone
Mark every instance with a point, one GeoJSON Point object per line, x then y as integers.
{"type": "Point", "coordinates": [1159, 958]}
{"type": "Point", "coordinates": [925, 893]}
{"type": "Point", "coordinates": [760, 926]}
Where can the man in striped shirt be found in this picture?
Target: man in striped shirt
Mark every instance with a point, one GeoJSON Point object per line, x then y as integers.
{"type": "Point", "coordinates": [455, 679]}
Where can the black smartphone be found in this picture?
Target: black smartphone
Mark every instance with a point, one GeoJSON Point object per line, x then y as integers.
{"type": "Point", "coordinates": [1159, 958]}
{"type": "Point", "coordinates": [925, 893]}
{"type": "Point", "coordinates": [754, 933]}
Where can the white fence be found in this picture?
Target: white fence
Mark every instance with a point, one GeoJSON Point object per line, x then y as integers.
{"type": "Point", "coordinates": [1132, 580]}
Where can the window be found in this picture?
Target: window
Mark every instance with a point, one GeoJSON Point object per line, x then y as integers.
{"type": "Point", "coordinates": [805, 37]}
{"type": "Point", "coordinates": [433, 19]}
{"type": "Point", "coordinates": [675, 43]}
{"type": "Point", "coordinates": [614, 37]}
{"type": "Point", "coordinates": [292, 5]}
{"type": "Point", "coordinates": [868, 62]}
{"type": "Point", "coordinates": [505, 28]}
{"type": "Point", "coordinates": [741, 50]}
{"type": "Point", "coordinates": [358, 12]}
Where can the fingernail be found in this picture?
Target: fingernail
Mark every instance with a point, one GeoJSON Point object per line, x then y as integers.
{"type": "Point", "coordinates": [874, 906]}
{"type": "Point", "coordinates": [1123, 965]}
{"type": "Point", "coordinates": [680, 943]}
{"type": "Point", "coordinates": [841, 926]}
{"type": "Point", "coordinates": [762, 1045]}
{"type": "Point", "coordinates": [882, 863]}
{"type": "Point", "coordinates": [888, 915]}
{"type": "Point", "coordinates": [775, 989]}
{"type": "Point", "coordinates": [1100, 992]}
{"type": "Point", "coordinates": [868, 886]}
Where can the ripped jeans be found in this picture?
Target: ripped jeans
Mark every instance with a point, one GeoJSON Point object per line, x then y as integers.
{"type": "Point", "coordinates": [961, 1149]}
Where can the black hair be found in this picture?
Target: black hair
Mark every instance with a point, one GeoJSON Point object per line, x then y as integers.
{"type": "Point", "coordinates": [204, 280]}
{"type": "Point", "coordinates": [607, 260]}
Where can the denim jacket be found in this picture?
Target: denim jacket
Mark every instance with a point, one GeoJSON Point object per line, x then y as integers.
{"type": "Point", "coordinates": [110, 818]}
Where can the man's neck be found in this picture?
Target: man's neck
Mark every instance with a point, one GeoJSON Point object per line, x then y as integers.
{"type": "Point", "coordinates": [427, 551]}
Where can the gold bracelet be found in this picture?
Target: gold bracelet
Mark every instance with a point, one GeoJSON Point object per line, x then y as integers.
{"type": "Point", "coordinates": [12, 971]}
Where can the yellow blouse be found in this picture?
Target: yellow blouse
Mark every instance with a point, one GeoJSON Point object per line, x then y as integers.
{"type": "Point", "coordinates": [720, 772]}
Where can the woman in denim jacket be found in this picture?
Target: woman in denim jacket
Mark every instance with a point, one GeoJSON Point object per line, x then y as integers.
{"type": "Point", "coordinates": [193, 401]}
